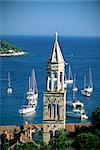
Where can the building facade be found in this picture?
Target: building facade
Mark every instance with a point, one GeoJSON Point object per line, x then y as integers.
{"type": "Point", "coordinates": [54, 100]}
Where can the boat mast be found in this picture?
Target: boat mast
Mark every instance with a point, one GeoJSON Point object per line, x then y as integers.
{"type": "Point", "coordinates": [29, 83]}
{"type": "Point", "coordinates": [71, 76]}
{"type": "Point", "coordinates": [74, 87]}
{"type": "Point", "coordinates": [34, 84]}
{"type": "Point", "coordinates": [84, 82]}
{"type": "Point", "coordinates": [9, 82]}
{"type": "Point", "coordinates": [74, 81]}
{"type": "Point", "coordinates": [69, 72]}
{"type": "Point", "coordinates": [90, 76]}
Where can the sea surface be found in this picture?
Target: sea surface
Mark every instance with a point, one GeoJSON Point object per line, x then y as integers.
{"type": "Point", "coordinates": [80, 52]}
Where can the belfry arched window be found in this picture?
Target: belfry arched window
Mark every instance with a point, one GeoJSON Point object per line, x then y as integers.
{"type": "Point", "coordinates": [60, 76]}
{"type": "Point", "coordinates": [50, 84]}
{"type": "Point", "coordinates": [54, 107]}
{"type": "Point", "coordinates": [58, 111]}
{"type": "Point", "coordinates": [55, 74]}
{"type": "Point", "coordinates": [55, 80]}
{"type": "Point", "coordinates": [50, 109]}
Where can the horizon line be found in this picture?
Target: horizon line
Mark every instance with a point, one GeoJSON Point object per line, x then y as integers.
{"type": "Point", "coordinates": [50, 35]}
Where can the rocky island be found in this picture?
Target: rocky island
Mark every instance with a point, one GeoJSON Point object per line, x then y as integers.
{"type": "Point", "coordinates": [7, 49]}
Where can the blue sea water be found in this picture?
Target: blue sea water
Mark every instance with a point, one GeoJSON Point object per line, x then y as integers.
{"type": "Point", "coordinates": [80, 52]}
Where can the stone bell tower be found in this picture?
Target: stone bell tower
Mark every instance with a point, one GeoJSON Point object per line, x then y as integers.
{"type": "Point", "coordinates": [54, 100]}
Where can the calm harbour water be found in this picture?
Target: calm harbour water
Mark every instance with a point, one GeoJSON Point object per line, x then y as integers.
{"type": "Point", "coordinates": [80, 52]}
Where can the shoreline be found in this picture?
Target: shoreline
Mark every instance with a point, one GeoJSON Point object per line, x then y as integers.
{"type": "Point", "coordinates": [13, 54]}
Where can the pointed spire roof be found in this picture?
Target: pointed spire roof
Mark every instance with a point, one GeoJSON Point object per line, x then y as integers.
{"type": "Point", "coordinates": [56, 55]}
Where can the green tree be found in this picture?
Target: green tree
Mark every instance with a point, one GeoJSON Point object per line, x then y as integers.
{"type": "Point", "coordinates": [32, 146]}
{"type": "Point", "coordinates": [26, 146]}
{"type": "Point", "coordinates": [87, 141]}
{"type": "Point", "coordinates": [62, 141]}
{"type": "Point", "coordinates": [5, 47]}
{"type": "Point", "coordinates": [96, 118]}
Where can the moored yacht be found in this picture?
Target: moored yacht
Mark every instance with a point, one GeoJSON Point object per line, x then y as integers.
{"type": "Point", "coordinates": [32, 96]}
{"type": "Point", "coordinates": [75, 102]}
{"type": "Point", "coordinates": [88, 90]}
{"type": "Point", "coordinates": [69, 80]}
{"type": "Point", "coordinates": [75, 89]}
{"type": "Point", "coordinates": [32, 93]}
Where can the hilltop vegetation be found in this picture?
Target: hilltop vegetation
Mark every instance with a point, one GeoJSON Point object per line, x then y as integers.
{"type": "Point", "coordinates": [7, 48]}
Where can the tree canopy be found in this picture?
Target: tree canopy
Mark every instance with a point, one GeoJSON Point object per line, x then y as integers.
{"type": "Point", "coordinates": [96, 118]}
{"type": "Point", "coordinates": [87, 141]}
{"type": "Point", "coordinates": [6, 47]}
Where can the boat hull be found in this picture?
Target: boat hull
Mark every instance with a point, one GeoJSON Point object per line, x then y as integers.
{"type": "Point", "coordinates": [77, 115]}
{"type": "Point", "coordinates": [85, 93]}
{"type": "Point", "coordinates": [89, 89]}
{"type": "Point", "coordinates": [27, 110]}
{"type": "Point", "coordinates": [68, 81]}
{"type": "Point", "coordinates": [9, 90]}
{"type": "Point", "coordinates": [75, 89]}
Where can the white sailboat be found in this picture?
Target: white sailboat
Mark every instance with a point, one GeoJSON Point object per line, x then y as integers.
{"type": "Point", "coordinates": [90, 87]}
{"type": "Point", "coordinates": [9, 90]}
{"type": "Point", "coordinates": [88, 90]}
{"type": "Point", "coordinates": [70, 77]}
{"type": "Point", "coordinates": [32, 96]}
{"type": "Point", "coordinates": [75, 89]}
{"type": "Point", "coordinates": [75, 103]}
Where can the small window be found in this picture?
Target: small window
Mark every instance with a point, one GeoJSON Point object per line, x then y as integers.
{"type": "Point", "coordinates": [58, 110]}
{"type": "Point", "coordinates": [60, 76]}
{"type": "Point", "coordinates": [54, 105]}
{"type": "Point", "coordinates": [50, 84]}
{"type": "Point", "coordinates": [50, 109]}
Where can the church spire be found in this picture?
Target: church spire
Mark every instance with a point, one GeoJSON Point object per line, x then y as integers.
{"type": "Point", "coordinates": [56, 55]}
{"type": "Point", "coordinates": [56, 36]}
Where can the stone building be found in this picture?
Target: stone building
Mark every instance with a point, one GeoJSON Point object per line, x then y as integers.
{"type": "Point", "coordinates": [54, 100]}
